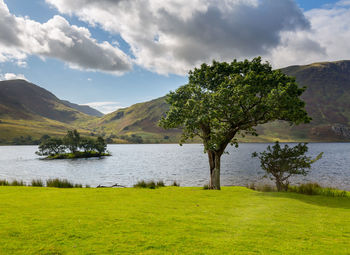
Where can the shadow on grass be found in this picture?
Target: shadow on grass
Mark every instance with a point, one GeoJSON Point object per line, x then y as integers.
{"type": "Point", "coordinates": [332, 202]}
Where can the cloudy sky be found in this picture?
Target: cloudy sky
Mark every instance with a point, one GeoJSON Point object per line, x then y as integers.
{"type": "Point", "coordinates": [113, 53]}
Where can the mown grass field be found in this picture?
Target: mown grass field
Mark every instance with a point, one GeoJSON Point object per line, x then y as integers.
{"type": "Point", "coordinates": [171, 220]}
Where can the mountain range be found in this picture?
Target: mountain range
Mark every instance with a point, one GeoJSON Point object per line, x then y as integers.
{"type": "Point", "coordinates": [29, 110]}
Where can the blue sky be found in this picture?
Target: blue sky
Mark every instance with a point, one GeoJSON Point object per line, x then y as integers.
{"type": "Point", "coordinates": [147, 80]}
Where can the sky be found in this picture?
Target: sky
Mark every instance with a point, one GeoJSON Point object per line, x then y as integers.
{"type": "Point", "coordinates": [114, 53]}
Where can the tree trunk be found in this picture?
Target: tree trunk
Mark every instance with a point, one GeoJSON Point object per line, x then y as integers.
{"type": "Point", "coordinates": [278, 185]}
{"type": "Point", "coordinates": [214, 164]}
{"type": "Point", "coordinates": [281, 186]}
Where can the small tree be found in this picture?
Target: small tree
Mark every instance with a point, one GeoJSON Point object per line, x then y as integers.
{"type": "Point", "coordinates": [100, 145]}
{"type": "Point", "coordinates": [87, 144]}
{"type": "Point", "coordinates": [51, 146]}
{"type": "Point", "coordinates": [72, 140]}
{"type": "Point", "coordinates": [223, 100]}
{"type": "Point", "coordinates": [282, 163]}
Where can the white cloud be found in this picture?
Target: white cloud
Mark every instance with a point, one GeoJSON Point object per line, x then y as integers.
{"type": "Point", "coordinates": [20, 37]}
{"type": "Point", "coordinates": [343, 3]}
{"type": "Point", "coordinates": [172, 36]}
{"type": "Point", "coordinates": [105, 107]}
{"type": "Point", "coordinates": [12, 76]}
{"type": "Point", "coordinates": [330, 28]}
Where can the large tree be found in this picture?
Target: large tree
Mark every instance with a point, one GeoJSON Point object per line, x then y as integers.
{"type": "Point", "coordinates": [223, 100]}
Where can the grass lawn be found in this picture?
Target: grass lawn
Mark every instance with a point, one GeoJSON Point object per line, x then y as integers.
{"type": "Point", "coordinates": [170, 220]}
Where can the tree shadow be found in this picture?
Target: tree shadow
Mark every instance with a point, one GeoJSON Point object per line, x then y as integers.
{"type": "Point", "coordinates": [325, 201]}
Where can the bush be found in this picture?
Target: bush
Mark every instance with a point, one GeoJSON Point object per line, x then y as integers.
{"type": "Point", "coordinates": [282, 163]}
{"type": "Point", "coordinates": [160, 184]}
{"type": "Point", "coordinates": [17, 183]}
{"type": "Point", "coordinates": [206, 186]}
{"type": "Point", "coordinates": [175, 184]}
{"type": "Point", "coordinates": [149, 185]}
{"type": "Point", "coordinates": [59, 183]}
{"type": "Point", "coordinates": [4, 183]}
{"type": "Point", "coordinates": [316, 189]}
{"type": "Point", "coordinates": [140, 184]}
{"type": "Point", "coordinates": [261, 187]}
{"type": "Point", "coordinates": [37, 183]}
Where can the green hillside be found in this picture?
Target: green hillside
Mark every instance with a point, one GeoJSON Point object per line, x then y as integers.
{"type": "Point", "coordinates": [327, 101]}
{"type": "Point", "coordinates": [29, 110]}
{"type": "Point", "coordinates": [26, 109]}
{"type": "Point", "coordinates": [139, 119]}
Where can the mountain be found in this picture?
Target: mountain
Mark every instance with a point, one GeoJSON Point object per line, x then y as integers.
{"type": "Point", "coordinates": [139, 119]}
{"type": "Point", "coordinates": [83, 108]}
{"type": "Point", "coordinates": [29, 110]}
{"type": "Point", "coordinates": [20, 99]}
{"type": "Point", "coordinates": [327, 100]}
{"type": "Point", "coordinates": [328, 90]}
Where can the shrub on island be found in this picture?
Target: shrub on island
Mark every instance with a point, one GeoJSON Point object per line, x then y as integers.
{"type": "Point", "coordinates": [72, 146]}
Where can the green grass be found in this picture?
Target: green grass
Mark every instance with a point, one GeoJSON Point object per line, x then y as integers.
{"type": "Point", "coordinates": [61, 183]}
{"type": "Point", "coordinates": [316, 189]}
{"type": "Point", "coordinates": [149, 184]}
{"type": "Point", "coordinates": [171, 220]}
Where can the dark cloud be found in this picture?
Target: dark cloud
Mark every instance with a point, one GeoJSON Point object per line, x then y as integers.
{"type": "Point", "coordinates": [190, 32]}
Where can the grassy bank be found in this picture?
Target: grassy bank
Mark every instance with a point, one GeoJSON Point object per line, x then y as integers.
{"type": "Point", "coordinates": [170, 220]}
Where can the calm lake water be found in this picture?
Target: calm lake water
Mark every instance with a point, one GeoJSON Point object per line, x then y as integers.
{"type": "Point", "coordinates": [169, 162]}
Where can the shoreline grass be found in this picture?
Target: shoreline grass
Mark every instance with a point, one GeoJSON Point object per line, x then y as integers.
{"type": "Point", "coordinates": [310, 188]}
{"type": "Point", "coordinates": [51, 183]}
{"type": "Point", "coordinates": [316, 189]}
{"type": "Point", "coordinates": [171, 220]}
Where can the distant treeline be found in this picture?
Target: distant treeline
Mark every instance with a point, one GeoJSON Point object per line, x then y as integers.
{"type": "Point", "coordinates": [28, 140]}
{"type": "Point", "coordinates": [110, 139]}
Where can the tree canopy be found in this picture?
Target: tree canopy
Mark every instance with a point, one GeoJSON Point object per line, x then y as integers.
{"type": "Point", "coordinates": [223, 100]}
{"type": "Point", "coordinates": [280, 163]}
{"type": "Point", "coordinates": [70, 144]}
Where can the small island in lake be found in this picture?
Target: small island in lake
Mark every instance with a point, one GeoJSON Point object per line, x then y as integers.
{"type": "Point", "coordinates": [72, 146]}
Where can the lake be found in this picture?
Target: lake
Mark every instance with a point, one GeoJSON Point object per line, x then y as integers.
{"type": "Point", "coordinates": [186, 164]}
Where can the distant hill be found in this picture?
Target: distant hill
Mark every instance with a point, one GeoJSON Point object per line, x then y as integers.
{"type": "Point", "coordinates": [327, 101]}
{"type": "Point", "coordinates": [29, 110]}
{"type": "Point", "coordinates": [139, 119]}
{"type": "Point", "coordinates": [83, 108]}
{"type": "Point", "coordinates": [20, 99]}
